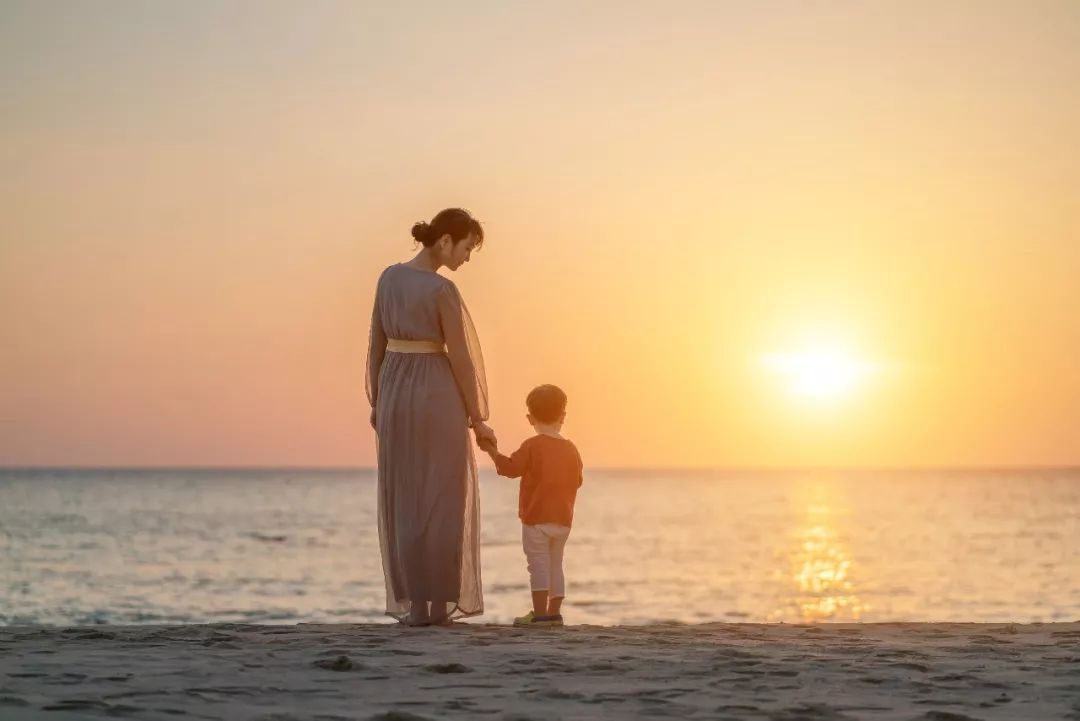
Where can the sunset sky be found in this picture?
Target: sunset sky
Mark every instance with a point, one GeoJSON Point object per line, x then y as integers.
{"type": "Point", "coordinates": [737, 234]}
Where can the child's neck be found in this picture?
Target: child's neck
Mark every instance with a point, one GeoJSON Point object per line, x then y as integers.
{"type": "Point", "coordinates": [548, 430]}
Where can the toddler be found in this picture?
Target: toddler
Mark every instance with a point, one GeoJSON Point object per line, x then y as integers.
{"type": "Point", "coordinates": [550, 469]}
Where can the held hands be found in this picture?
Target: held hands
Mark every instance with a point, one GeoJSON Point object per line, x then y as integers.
{"type": "Point", "coordinates": [485, 438]}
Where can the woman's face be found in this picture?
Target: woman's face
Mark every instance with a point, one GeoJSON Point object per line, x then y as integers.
{"type": "Point", "coordinates": [457, 254]}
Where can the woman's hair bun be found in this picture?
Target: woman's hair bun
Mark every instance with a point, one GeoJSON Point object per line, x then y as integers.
{"type": "Point", "coordinates": [420, 231]}
{"type": "Point", "coordinates": [454, 222]}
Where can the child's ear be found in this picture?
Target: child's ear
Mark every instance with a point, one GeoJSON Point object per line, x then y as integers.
{"type": "Point", "coordinates": [529, 418]}
{"type": "Point", "coordinates": [562, 418]}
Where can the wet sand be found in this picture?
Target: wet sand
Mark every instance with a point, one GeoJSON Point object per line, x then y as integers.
{"type": "Point", "coordinates": [936, 672]}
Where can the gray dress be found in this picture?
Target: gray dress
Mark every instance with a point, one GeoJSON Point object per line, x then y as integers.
{"type": "Point", "coordinates": [428, 505]}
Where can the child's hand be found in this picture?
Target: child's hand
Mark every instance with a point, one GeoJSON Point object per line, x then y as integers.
{"type": "Point", "coordinates": [489, 446]}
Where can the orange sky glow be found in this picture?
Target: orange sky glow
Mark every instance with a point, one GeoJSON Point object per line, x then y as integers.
{"type": "Point", "coordinates": [737, 234]}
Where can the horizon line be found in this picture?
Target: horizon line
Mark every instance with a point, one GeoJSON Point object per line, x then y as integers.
{"type": "Point", "coordinates": [751, 468]}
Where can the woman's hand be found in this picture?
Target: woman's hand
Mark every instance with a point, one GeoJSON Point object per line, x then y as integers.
{"type": "Point", "coordinates": [485, 436]}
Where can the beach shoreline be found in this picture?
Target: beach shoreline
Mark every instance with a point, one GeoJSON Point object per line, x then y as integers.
{"type": "Point", "coordinates": [942, 671]}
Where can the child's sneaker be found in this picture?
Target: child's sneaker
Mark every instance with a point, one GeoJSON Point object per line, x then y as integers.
{"type": "Point", "coordinates": [531, 619]}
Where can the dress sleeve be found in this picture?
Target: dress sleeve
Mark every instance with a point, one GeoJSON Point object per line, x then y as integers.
{"type": "Point", "coordinates": [463, 349]}
{"type": "Point", "coordinates": [376, 352]}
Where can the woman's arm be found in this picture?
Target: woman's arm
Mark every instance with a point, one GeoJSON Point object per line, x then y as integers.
{"type": "Point", "coordinates": [463, 350]}
{"type": "Point", "coordinates": [376, 353]}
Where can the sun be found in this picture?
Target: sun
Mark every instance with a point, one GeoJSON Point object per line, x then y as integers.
{"type": "Point", "coordinates": [820, 373]}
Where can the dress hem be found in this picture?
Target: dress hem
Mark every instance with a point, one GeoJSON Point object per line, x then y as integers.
{"type": "Point", "coordinates": [455, 613]}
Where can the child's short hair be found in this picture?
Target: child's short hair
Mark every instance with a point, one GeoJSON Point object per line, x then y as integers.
{"type": "Point", "coordinates": [546, 403]}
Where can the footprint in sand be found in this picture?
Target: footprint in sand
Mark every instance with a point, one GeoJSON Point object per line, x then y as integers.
{"type": "Point", "coordinates": [910, 666]}
{"type": "Point", "coordinates": [448, 668]}
{"type": "Point", "coordinates": [77, 704]}
{"type": "Point", "coordinates": [954, 677]}
{"type": "Point", "coordinates": [338, 663]}
{"type": "Point", "coordinates": [397, 716]}
{"type": "Point", "coordinates": [89, 635]}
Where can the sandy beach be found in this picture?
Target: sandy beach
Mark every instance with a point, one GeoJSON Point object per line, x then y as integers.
{"type": "Point", "coordinates": [942, 672]}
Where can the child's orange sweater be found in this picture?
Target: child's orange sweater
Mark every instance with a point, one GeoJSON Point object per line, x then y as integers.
{"type": "Point", "coordinates": [550, 471]}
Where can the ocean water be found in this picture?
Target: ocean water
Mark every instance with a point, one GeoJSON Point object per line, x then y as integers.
{"type": "Point", "coordinates": [286, 546]}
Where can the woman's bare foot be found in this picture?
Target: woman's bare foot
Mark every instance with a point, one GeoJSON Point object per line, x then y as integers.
{"type": "Point", "coordinates": [418, 615]}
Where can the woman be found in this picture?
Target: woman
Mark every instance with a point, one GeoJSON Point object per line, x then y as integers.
{"type": "Point", "coordinates": [426, 386]}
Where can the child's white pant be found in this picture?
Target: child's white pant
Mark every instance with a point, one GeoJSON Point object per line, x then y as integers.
{"type": "Point", "coordinates": [543, 546]}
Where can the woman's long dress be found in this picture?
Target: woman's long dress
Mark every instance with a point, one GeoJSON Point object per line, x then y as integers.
{"type": "Point", "coordinates": [428, 505]}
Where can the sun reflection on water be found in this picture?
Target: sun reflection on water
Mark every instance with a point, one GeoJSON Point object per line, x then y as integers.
{"type": "Point", "coordinates": [819, 581]}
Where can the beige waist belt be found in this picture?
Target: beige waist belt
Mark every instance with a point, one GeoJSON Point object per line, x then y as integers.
{"type": "Point", "coordinates": [396, 345]}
